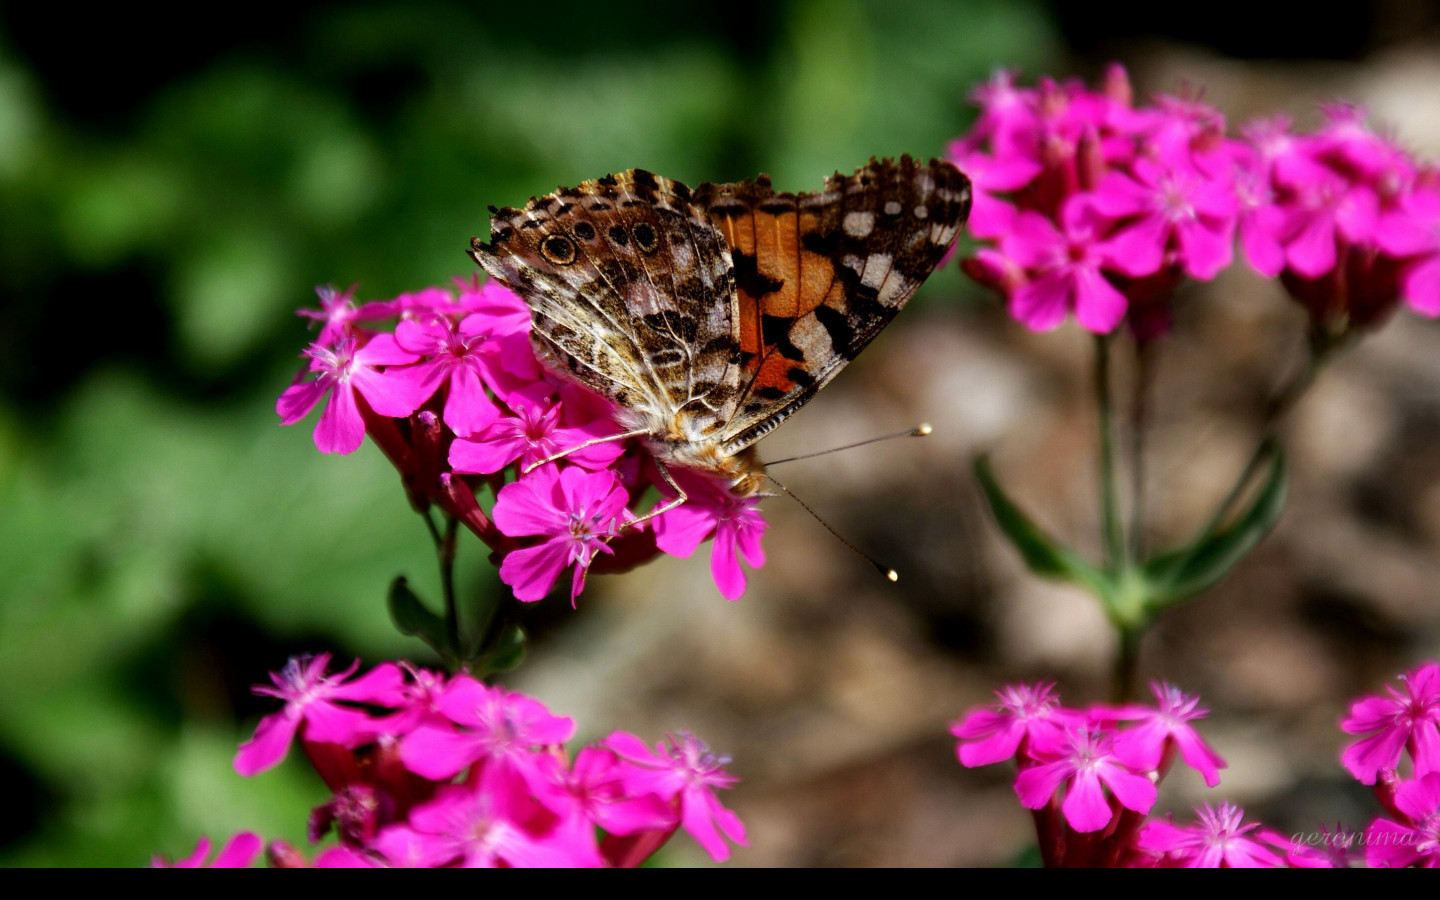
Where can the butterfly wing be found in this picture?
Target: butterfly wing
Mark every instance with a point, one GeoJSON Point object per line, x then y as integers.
{"type": "Point", "coordinates": [631, 291]}
{"type": "Point", "coordinates": [819, 275]}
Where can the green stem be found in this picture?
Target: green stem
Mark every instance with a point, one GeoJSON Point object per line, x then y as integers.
{"type": "Point", "coordinates": [494, 622]}
{"type": "Point", "coordinates": [430, 527]}
{"type": "Point", "coordinates": [1114, 533]}
{"type": "Point", "coordinates": [1127, 666]}
{"type": "Point", "coordinates": [1322, 349]}
{"type": "Point", "coordinates": [1139, 431]}
{"type": "Point", "coordinates": [446, 552]}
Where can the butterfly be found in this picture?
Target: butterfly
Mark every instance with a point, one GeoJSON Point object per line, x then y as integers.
{"type": "Point", "coordinates": [709, 316]}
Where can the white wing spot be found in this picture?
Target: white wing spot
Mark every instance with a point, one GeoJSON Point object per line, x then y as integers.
{"type": "Point", "coordinates": [921, 212]}
{"type": "Point", "coordinates": [858, 224]}
{"type": "Point", "coordinates": [877, 267]}
{"type": "Point", "coordinates": [893, 208]}
{"type": "Point", "coordinates": [854, 264]}
{"type": "Point", "coordinates": [894, 287]}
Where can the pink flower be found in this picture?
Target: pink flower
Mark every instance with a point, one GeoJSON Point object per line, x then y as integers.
{"type": "Point", "coordinates": [1187, 133]}
{"type": "Point", "coordinates": [574, 511]}
{"type": "Point", "coordinates": [481, 829]}
{"type": "Point", "coordinates": [1280, 155]}
{"type": "Point", "coordinates": [500, 727]}
{"type": "Point", "coordinates": [238, 853]}
{"type": "Point", "coordinates": [1261, 222]}
{"type": "Point", "coordinates": [1086, 764]}
{"type": "Point", "coordinates": [991, 217]}
{"type": "Point", "coordinates": [534, 434]}
{"type": "Point", "coordinates": [594, 788]}
{"type": "Point", "coordinates": [502, 308]}
{"type": "Point", "coordinates": [1008, 116]}
{"type": "Point", "coordinates": [1026, 714]}
{"type": "Point", "coordinates": [712, 511]}
{"type": "Point", "coordinates": [460, 356]}
{"type": "Point", "coordinates": [1169, 204]}
{"type": "Point", "coordinates": [418, 702]}
{"type": "Point", "coordinates": [1324, 849]}
{"type": "Point", "coordinates": [281, 855]}
{"type": "Point", "coordinates": [312, 698]}
{"type": "Point", "coordinates": [478, 776]}
{"type": "Point", "coordinates": [344, 858]}
{"type": "Point", "coordinates": [1325, 210]}
{"type": "Point", "coordinates": [342, 372]}
{"type": "Point", "coordinates": [1414, 842]}
{"type": "Point", "coordinates": [338, 313]}
{"type": "Point", "coordinates": [685, 773]}
{"type": "Point", "coordinates": [1216, 841]}
{"type": "Point", "coordinates": [1349, 144]}
{"type": "Point", "coordinates": [1409, 719]}
{"type": "Point", "coordinates": [354, 812]}
{"type": "Point", "coordinates": [1411, 230]}
{"type": "Point", "coordinates": [1064, 268]}
{"type": "Point", "coordinates": [1144, 746]}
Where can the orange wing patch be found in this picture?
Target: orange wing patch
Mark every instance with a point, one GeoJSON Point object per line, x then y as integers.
{"type": "Point", "coordinates": [778, 280]}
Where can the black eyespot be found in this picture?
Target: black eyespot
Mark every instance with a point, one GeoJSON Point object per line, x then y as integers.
{"type": "Point", "coordinates": [584, 231]}
{"type": "Point", "coordinates": [558, 250]}
{"type": "Point", "coordinates": [617, 234]}
{"type": "Point", "coordinates": [644, 238]}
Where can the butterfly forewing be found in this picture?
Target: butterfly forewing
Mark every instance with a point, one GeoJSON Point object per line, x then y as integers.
{"type": "Point", "coordinates": [818, 275]}
{"type": "Point", "coordinates": [629, 287]}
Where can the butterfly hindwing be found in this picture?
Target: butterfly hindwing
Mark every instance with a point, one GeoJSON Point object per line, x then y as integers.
{"type": "Point", "coordinates": [819, 275]}
{"type": "Point", "coordinates": [630, 288]}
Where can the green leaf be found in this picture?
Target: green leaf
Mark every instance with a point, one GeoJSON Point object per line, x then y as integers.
{"type": "Point", "coordinates": [1177, 575]}
{"type": "Point", "coordinates": [508, 652]}
{"type": "Point", "coordinates": [1044, 555]}
{"type": "Point", "coordinates": [1029, 858]}
{"type": "Point", "coordinates": [412, 617]}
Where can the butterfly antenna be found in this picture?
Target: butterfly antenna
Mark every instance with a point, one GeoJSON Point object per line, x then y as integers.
{"type": "Point", "coordinates": [889, 573]}
{"type": "Point", "coordinates": [918, 431]}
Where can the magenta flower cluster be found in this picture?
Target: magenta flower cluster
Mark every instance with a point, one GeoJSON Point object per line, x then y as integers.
{"type": "Point", "coordinates": [1088, 204]}
{"type": "Point", "coordinates": [1400, 755]}
{"type": "Point", "coordinates": [430, 771]}
{"type": "Point", "coordinates": [1090, 779]}
{"type": "Point", "coordinates": [457, 401]}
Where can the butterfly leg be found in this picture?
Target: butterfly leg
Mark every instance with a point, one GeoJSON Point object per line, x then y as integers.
{"type": "Point", "coordinates": [679, 498]}
{"type": "Point", "coordinates": [641, 432]}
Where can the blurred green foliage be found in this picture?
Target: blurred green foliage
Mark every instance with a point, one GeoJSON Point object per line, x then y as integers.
{"type": "Point", "coordinates": [164, 209]}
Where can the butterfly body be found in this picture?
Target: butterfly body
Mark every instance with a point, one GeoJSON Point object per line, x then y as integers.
{"type": "Point", "coordinates": [709, 316]}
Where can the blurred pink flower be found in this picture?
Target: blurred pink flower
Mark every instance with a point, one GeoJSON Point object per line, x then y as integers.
{"type": "Point", "coordinates": [685, 773]}
{"type": "Point", "coordinates": [1415, 841]}
{"type": "Point", "coordinates": [1026, 715]}
{"type": "Point", "coordinates": [734, 524]}
{"type": "Point", "coordinates": [312, 699]}
{"type": "Point", "coordinates": [501, 728]}
{"type": "Point", "coordinates": [341, 372]}
{"type": "Point", "coordinates": [238, 853]}
{"type": "Point", "coordinates": [1216, 841]}
{"type": "Point", "coordinates": [1143, 746]}
{"type": "Point", "coordinates": [1085, 764]}
{"type": "Point", "coordinates": [1409, 719]}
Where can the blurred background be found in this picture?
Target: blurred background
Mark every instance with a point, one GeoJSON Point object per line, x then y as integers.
{"type": "Point", "coordinates": [167, 202]}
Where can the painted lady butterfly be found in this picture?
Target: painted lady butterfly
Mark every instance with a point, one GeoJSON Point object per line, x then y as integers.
{"type": "Point", "coordinates": [710, 315]}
